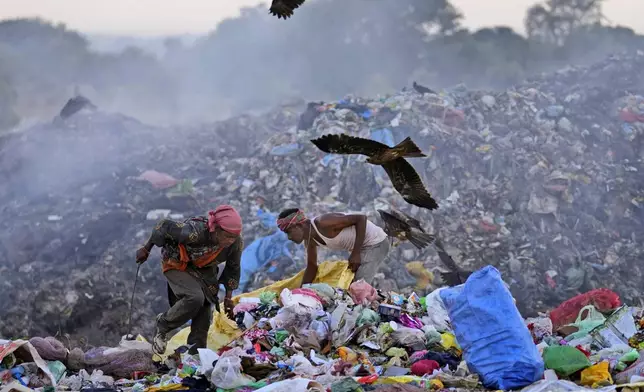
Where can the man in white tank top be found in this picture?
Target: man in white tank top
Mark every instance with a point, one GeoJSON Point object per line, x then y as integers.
{"type": "Point", "coordinates": [367, 244]}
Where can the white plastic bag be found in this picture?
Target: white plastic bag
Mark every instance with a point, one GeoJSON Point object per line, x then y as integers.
{"type": "Point", "coordinates": [437, 312]}
{"type": "Point", "coordinates": [302, 366]}
{"type": "Point", "coordinates": [227, 374]}
{"type": "Point", "coordinates": [206, 357]}
{"type": "Point", "coordinates": [289, 299]}
{"type": "Point", "coordinates": [296, 384]}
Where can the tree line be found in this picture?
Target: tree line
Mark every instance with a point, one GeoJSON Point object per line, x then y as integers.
{"type": "Point", "coordinates": [330, 48]}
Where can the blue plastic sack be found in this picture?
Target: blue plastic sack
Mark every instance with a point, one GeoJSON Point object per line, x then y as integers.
{"type": "Point", "coordinates": [496, 342]}
{"type": "Point", "coordinates": [262, 251]}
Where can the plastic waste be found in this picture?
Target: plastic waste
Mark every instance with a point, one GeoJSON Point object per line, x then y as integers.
{"type": "Point", "coordinates": [326, 292]}
{"type": "Point", "coordinates": [368, 316]}
{"type": "Point", "coordinates": [437, 312]}
{"type": "Point", "coordinates": [448, 341]}
{"type": "Point", "coordinates": [343, 323]}
{"type": "Point", "coordinates": [227, 373]}
{"type": "Point", "coordinates": [495, 341]}
{"type": "Point", "coordinates": [207, 358]}
{"type": "Point", "coordinates": [635, 370]}
{"type": "Point", "coordinates": [561, 386]}
{"type": "Point", "coordinates": [565, 360]}
{"type": "Point", "coordinates": [158, 180]}
{"type": "Point", "coordinates": [432, 335]}
{"type": "Point", "coordinates": [588, 319]}
{"type": "Point", "coordinates": [596, 375]}
{"type": "Point", "coordinates": [362, 292]}
{"type": "Point", "coordinates": [604, 300]}
{"type": "Point", "coordinates": [539, 326]}
{"type": "Point", "coordinates": [262, 251]}
{"type": "Point", "coordinates": [302, 366]}
{"type": "Point", "coordinates": [267, 297]}
{"type": "Point", "coordinates": [409, 337]}
{"type": "Point", "coordinates": [297, 384]}
{"type": "Point", "coordinates": [289, 299]}
{"type": "Point", "coordinates": [309, 292]}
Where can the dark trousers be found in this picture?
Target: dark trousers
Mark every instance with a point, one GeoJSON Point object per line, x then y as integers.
{"type": "Point", "coordinates": [187, 302]}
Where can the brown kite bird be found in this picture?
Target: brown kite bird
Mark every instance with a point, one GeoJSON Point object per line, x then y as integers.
{"type": "Point", "coordinates": [405, 228]}
{"type": "Point", "coordinates": [283, 9]}
{"type": "Point", "coordinates": [403, 176]}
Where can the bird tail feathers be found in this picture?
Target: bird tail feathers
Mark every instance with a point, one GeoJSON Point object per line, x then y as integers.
{"type": "Point", "coordinates": [420, 240]}
{"type": "Point", "coordinates": [409, 149]}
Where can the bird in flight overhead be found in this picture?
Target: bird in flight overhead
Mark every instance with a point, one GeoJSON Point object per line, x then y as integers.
{"type": "Point", "coordinates": [283, 9]}
{"type": "Point", "coordinates": [403, 176]}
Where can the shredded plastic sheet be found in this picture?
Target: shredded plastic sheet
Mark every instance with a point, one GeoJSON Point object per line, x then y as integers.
{"type": "Point", "coordinates": [24, 350]}
{"type": "Point", "coordinates": [223, 330]}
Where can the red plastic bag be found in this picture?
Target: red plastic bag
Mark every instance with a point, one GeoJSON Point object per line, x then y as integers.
{"type": "Point", "coordinates": [604, 300]}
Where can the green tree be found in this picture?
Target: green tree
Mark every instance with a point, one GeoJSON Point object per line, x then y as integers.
{"type": "Point", "coordinates": [554, 21]}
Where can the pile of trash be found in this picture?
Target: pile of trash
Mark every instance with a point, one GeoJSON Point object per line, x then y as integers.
{"type": "Point", "coordinates": [324, 338]}
{"type": "Point", "coordinates": [542, 181]}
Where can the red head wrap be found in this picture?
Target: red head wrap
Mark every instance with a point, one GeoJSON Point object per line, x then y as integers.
{"type": "Point", "coordinates": [295, 218]}
{"type": "Point", "coordinates": [227, 218]}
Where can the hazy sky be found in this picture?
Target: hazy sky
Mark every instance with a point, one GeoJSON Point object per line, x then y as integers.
{"type": "Point", "coordinates": [161, 17]}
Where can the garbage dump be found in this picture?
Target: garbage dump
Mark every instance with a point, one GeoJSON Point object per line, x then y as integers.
{"type": "Point", "coordinates": [541, 181]}
{"type": "Point", "coordinates": [342, 336]}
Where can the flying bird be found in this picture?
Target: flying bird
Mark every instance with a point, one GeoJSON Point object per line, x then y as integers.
{"type": "Point", "coordinates": [75, 105]}
{"type": "Point", "coordinates": [405, 228]}
{"type": "Point", "coordinates": [422, 89]}
{"type": "Point", "coordinates": [403, 176]}
{"type": "Point", "coordinates": [283, 9]}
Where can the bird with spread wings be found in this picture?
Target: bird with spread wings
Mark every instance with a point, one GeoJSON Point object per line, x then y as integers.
{"type": "Point", "coordinates": [403, 227]}
{"type": "Point", "coordinates": [403, 176]}
{"type": "Point", "coordinates": [284, 9]}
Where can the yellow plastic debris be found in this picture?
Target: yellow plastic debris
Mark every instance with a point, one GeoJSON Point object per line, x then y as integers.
{"type": "Point", "coordinates": [347, 355]}
{"type": "Point", "coordinates": [436, 384]}
{"type": "Point", "coordinates": [448, 340]}
{"type": "Point", "coordinates": [423, 276]}
{"type": "Point", "coordinates": [169, 387]}
{"type": "Point", "coordinates": [596, 376]}
{"type": "Point", "coordinates": [398, 380]}
{"type": "Point", "coordinates": [223, 330]}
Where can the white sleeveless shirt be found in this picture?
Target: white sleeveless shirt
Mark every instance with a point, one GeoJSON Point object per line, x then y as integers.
{"type": "Point", "coordinates": [346, 239]}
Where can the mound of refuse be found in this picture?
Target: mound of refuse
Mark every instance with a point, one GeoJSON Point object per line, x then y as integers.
{"type": "Point", "coordinates": [542, 181]}
{"type": "Point", "coordinates": [336, 336]}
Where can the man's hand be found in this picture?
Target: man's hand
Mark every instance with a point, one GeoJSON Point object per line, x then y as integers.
{"type": "Point", "coordinates": [354, 262]}
{"type": "Point", "coordinates": [228, 307]}
{"type": "Point", "coordinates": [142, 255]}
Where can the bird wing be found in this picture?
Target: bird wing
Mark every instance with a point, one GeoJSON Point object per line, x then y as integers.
{"type": "Point", "coordinates": [345, 144]}
{"type": "Point", "coordinates": [412, 222]}
{"type": "Point", "coordinates": [407, 182]}
{"type": "Point", "coordinates": [393, 224]}
{"type": "Point", "coordinates": [283, 9]}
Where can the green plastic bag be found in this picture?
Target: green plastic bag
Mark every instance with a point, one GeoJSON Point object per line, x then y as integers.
{"type": "Point", "coordinates": [588, 319]}
{"type": "Point", "coordinates": [267, 297]}
{"type": "Point", "coordinates": [630, 356]}
{"type": "Point", "coordinates": [565, 360]}
{"type": "Point", "coordinates": [368, 316]}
